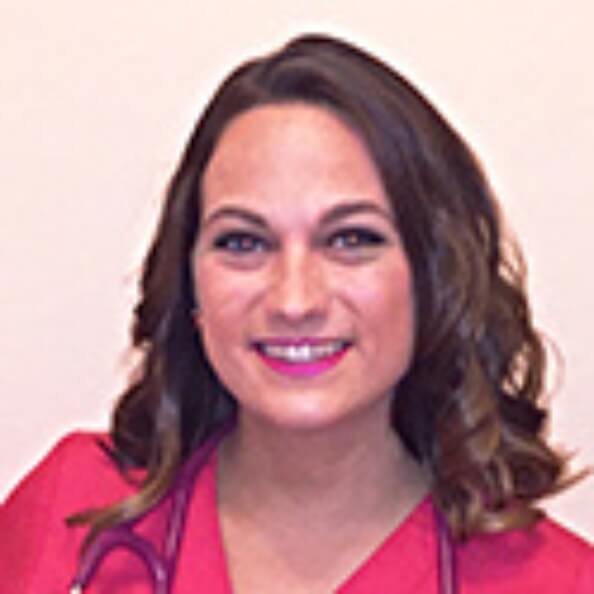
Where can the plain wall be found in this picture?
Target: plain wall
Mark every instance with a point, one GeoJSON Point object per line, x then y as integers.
{"type": "Point", "coordinates": [97, 101]}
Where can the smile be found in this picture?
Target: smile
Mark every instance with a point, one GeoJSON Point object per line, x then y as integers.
{"type": "Point", "coordinates": [302, 358]}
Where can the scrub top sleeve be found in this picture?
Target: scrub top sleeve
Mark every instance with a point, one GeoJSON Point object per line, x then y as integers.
{"type": "Point", "coordinates": [26, 519]}
{"type": "Point", "coordinates": [585, 583]}
{"type": "Point", "coordinates": [37, 550]}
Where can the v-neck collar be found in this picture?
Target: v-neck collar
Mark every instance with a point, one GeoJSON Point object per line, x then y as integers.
{"type": "Point", "coordinates": [403, 563]}
{"type": "Point", "coordinates": [202, 565]}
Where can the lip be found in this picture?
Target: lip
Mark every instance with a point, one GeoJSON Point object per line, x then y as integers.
{"type": "Point", "coordinates": [306, 368]}
{"type": "Point", "coordinates": [299, 340]}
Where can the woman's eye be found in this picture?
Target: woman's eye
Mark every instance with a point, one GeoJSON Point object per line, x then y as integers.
{"type": "Point", "coordinates": [239, 242]}
{"type": "Point", "coordinates": [353, 238]}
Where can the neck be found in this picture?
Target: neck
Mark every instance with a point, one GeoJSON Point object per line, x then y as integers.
{"type": "Point", "coordinates": [344, 470]}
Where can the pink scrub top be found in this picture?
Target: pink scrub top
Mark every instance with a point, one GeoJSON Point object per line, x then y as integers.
{"type": "Point", "coordinates": [38, 553]}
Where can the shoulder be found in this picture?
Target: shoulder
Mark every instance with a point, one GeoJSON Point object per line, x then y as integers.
{"type": "Point", "coordinates": [80, 465]}
{"type": "Point", "coordinates": [76, 474]}
{"type": "Point", "coordinates": [547, 558]}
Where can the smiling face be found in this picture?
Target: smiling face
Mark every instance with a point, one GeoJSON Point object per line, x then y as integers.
{"type": "Point", "coordinates": [305, 291]}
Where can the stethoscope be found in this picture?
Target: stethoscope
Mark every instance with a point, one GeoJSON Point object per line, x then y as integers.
{"type": "Point", "coordinates": [161, 565]}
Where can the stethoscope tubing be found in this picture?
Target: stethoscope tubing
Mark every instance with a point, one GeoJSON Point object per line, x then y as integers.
{"type": "Point", "coordinates": [122, 537]}
{"type": "Point", "coordinates": [447, 563]}
{"type": "Point", "coordinates": [161, 566]}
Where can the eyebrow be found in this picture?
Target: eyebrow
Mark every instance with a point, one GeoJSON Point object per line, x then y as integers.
{"type": "Point", "coordinates": [334, 214]}
{"type": "Point", "coordinates": [347, 209]}
{"type": "Point", "coordinates": [236, 212]}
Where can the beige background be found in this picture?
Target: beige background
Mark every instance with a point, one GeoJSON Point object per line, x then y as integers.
{"type": "Point", "coordinates": [96, 102]}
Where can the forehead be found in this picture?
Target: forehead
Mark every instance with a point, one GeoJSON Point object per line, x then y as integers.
{"type": "Point", "coordinates": [291, 151]}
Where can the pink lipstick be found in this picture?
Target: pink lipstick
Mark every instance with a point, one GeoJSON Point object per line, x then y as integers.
{"type": "Point", "coordinates": [304, 357]}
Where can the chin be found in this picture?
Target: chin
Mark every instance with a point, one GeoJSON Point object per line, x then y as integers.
{"type": "Point", "coordinates": [312, 416]}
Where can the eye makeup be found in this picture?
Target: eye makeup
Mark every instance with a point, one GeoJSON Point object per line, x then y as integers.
{"type": "Point", "coordinates": [240, 242]}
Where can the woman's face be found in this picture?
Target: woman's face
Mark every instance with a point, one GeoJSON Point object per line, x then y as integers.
{"type": "Point", "coordinates": [305, 291]}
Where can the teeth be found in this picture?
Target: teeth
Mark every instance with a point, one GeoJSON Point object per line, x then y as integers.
{"type": "Point", "coordinates": [302, 353]}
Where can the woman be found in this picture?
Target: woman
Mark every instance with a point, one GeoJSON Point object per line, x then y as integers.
{"type": "Point", "coordinates": [339, 369]}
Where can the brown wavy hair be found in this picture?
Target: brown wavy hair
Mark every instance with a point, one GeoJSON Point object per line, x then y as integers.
{"type": "Point", "coordinates": [468, 408]}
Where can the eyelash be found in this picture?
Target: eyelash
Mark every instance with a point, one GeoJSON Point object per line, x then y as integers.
{"type": "Point", "coordinates": [347, 239]}
{"type": "Point", "coordinates": [241, 242]}
{"type": "Point", "coordinates": [355, 237]}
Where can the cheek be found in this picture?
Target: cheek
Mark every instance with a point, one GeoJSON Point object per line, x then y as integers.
{"type": "Point", "coordinates": [218, 319]}
{"type": "Point", "coordinates": [214, 293]}
{"type": "Point", "coordinates": [224, 300]}
{"type": "Point", "coordinates": [388, 308]}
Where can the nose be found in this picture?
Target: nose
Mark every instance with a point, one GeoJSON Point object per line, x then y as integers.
{"type": "Point", "coordinates": [298, 291]}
